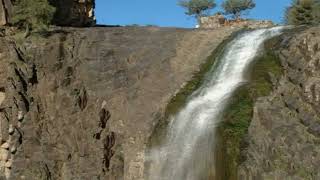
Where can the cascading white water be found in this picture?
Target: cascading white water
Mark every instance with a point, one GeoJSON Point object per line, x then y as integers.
{"type": "Point", "coordinates": [187, 151]}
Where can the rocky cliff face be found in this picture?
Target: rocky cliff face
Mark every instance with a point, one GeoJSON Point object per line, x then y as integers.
{"type": "Point", "coordinates": [82, 103]}
{"type": "Point", "coordinates": [5, 12]}
{"type": "Point", "coordinates": [284, 135]}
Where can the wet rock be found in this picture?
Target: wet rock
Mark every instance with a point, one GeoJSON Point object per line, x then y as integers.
{"type": "Point", "coordinates": [288, 135]}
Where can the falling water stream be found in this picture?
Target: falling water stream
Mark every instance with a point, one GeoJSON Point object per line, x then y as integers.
{"type": "Point", "coordinates": [187, 152]}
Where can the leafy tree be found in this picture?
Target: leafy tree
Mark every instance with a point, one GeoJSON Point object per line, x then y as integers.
{"type": "Point", "coordinates": [237, 7]}
{"type": "Point", "coordinates": [197, 8]}
{"type": "Point", "coordinates": [303, 12]}
{"type": "Point", "coordinates": [33, 14]}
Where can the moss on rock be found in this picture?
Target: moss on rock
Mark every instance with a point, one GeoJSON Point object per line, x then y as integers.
{"type": "Point", "coordinates": [181, 98]}
{"type": "Point", "coordinates": [238, 114]}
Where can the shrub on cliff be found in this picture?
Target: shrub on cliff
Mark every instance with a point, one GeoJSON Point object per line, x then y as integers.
{"type": "Point", "coordinates": [197, 8]}
{"type": "Point", "coordinates": [237, 7]}
{"type": "Point", "coordinates": [33, 14]}
{"type": "Point", "coordinates": [305, 12]}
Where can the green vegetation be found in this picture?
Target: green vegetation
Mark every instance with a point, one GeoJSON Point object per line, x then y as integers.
{"type": "Point", "coordinates": [180, 99]}
{"type": "Point", "coordinates": [232, 131]}
{"type": "Point", "coordinates": [33, 14]}
{"type": "Point", "coordinates": [239, 113]}
{"type": "Point", "coordinates": [240, 110]}
{"type": "Point", "coordinates": [237, 7]}
{"type": "Point", "coordinates": [197, 8]}
{"type": "Point", "coordinates": [303, 12]}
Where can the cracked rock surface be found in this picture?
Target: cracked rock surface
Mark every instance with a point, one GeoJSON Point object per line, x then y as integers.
{"type": "Point", "coordinates": [284, 136]}
{"type": "Point", "coordinates": [82, 103]}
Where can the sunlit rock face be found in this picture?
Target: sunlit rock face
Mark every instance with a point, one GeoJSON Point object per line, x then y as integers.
{"type": "Point", "coordinates": [218, 21]}
{"type": "Point", "coordinates": [284, 135]}
{"type": "Point", "coordinates": [85, 102]}
{"type": "Point", "coordinates": [215, 21]}
{"type": "Point", "coordinates": [74, 12]}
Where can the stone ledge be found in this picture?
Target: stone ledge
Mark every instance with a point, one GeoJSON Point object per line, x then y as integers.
{"type": "Point", "coordinates": [218, 21]}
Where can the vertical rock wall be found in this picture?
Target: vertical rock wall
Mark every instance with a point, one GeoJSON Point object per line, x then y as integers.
{"type": "Point", "coordinates": [82, 103]}
{"type": "Point", "coordinates": [5, 12]}
{"type": "Point", "coordinates": [284, 135]}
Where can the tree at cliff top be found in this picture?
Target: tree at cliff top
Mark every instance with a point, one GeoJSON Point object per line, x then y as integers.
{"type": "Point", "coordinates": [197, 8]}
{"type": "Point", "coordinates": [237, 7]}
{"type": "Point", "coordinates": [33, 14]}
{"type": "Point", "coordinates": [305, 12]}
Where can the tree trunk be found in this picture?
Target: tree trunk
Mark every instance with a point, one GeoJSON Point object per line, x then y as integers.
{"type": "Point", "coordinates": [198, 17]}
{"type": "Point", "coordinates": [238, 16]}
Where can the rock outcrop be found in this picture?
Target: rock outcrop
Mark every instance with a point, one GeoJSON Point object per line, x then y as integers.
{"type": "Point", "coordinates": [218, 21]}
{"type": "Point", "coordinates": [215, 21]}
{"type": "Point", "coordinates": [284, 135]}
{"type": "Point", "coordinates": [5, 12]}
{"type": "Point", "coordinates": [82, 103]}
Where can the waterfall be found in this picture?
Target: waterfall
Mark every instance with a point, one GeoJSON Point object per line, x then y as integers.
{"type": "Point", "coordinates": [187, 152]}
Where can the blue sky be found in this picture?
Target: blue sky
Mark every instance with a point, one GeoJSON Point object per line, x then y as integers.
{"type": "Point", "coordinates": [168, 13]}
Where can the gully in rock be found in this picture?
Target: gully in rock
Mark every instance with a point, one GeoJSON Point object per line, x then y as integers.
{"type": "Point", "coordinates": [187, 152]}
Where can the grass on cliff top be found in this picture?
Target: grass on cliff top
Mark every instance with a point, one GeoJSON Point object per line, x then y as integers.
{"type": "Point", "coordinates": [239, 113]}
